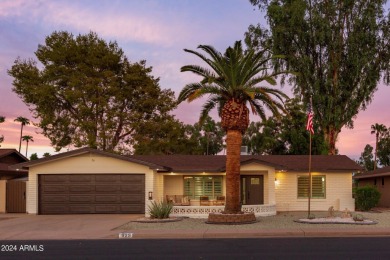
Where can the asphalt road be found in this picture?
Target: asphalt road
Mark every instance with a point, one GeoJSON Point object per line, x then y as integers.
{"type": "Point", "coordinates": [259, 248]}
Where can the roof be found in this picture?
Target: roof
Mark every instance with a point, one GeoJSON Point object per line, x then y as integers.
{"type": "Point", "coordinates": [80, 151]}
{"type": "Point", "coordinates": [215, 163]}
{"type": "Point", "coordinates": [380, 172]}
{"type": "Point", "coordinates": [5, 152]}
{"type": "Point", "coordinates": [14, 157]}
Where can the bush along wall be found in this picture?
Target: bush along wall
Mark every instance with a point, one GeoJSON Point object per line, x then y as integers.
{"type": "Point", "coordinates": [366, 197]}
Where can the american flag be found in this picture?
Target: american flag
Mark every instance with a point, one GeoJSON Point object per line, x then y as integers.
{"type": "Point", "coordinates": [310, 115]}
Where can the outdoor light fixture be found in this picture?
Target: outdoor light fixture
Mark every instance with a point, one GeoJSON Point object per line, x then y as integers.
{"type": "Point", "coordinates": [276, 181]}
{"type": "Point", "coordinates": [150, 195]}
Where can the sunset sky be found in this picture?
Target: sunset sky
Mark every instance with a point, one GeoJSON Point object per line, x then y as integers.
{"type": "Point", "coordinates": [155, 31]}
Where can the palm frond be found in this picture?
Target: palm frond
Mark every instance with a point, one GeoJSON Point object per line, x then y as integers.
{"type": "Point", "coordinates": [207, 107]}
{"type": "Point", "coordinates": [198, 70]}
{"type": "Point", "coordinates": [187, 91]}
{"type": "Point", "coordinates": [235, 75]}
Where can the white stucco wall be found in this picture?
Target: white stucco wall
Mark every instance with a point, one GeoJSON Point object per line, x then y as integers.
{"type": "Point", "coordinates": [338, 192]}
{"type": "Point", "coordinates": [84, 164]}
{"type": "Point", "coordinates": [173, 185]}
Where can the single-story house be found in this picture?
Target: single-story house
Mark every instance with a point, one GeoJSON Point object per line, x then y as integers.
{"type": "Point", "coordinates": [379, 178]}
{"type": "Point", "coordinates": [12, 182]}
{"type": "Point", "coordinates": [92, 181]}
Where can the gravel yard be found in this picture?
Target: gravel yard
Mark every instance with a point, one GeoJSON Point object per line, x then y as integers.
{"type": "Point", "coordinates": [283, 220]}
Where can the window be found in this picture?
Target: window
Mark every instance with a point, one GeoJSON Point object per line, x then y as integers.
{"type": "Point", "coordinates": [196, 186]}
{"type": "Point", "coordinates": [318, 186]}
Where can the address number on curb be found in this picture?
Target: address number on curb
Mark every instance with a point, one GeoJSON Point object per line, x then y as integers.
{"type": "Point", "coordinates": [125, 235]}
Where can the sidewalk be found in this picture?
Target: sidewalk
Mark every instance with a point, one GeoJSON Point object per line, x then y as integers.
{"type": "Point", "coordinates": [52, 227]}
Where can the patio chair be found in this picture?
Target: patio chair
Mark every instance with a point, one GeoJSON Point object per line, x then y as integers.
{"type": "Point", "coordinates": [182, 200]}
{"type": "Point", "coordinates": [220, 201]}
{"type": "Point", "coordinates": [178, 200]}
{"type": "Point", "coordinates": [204, 201]}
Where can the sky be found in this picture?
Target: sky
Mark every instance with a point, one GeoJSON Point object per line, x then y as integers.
{"type": "Point", "coordinates": [153, 30]}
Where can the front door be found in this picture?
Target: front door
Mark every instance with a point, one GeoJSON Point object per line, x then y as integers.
{"type": "Point", "coordinates": [252, 190]}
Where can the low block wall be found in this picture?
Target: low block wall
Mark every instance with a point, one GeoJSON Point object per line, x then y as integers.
{"type": "Point", "coordinates": [204, 211]}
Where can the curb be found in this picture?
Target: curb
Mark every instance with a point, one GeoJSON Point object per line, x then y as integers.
{"type": "Point", "coordinates": [213, 234]}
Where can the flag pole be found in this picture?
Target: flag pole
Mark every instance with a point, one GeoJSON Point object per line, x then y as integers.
{"type": "Point", "coordinates": [308, 216]}
{"type": "Point", "coordinates": [309, 127]}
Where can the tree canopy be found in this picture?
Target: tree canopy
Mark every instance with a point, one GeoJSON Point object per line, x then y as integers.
{"type": "Point", "coordinates": [85, 92]}
{"type": "Point", "coordinates": [340, 50]}
{"type": "Point", "coordinates": [285, 134]}
{"type": "Point", "coordinates": [366, 159]}
{"type": "Point", "coordinates": [381, 156]}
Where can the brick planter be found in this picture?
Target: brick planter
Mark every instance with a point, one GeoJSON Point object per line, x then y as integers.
{"type": "Point", "coordinates": [232, 219]}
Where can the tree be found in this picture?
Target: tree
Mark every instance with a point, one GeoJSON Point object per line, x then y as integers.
{"type": "Point", "coordinates": [366, 158]}
{"type": "Point", "coordinates": [384, 150]}
{"type": "Point", "coordinates": [27, 139]}
{"type": "Point", "coordinates": [264, 137]}
{"type": "Point", "coordinates": [87, 93]}
{"type": "Point", "coordinates": [285, 134]}
{"type": "Point", "coordinates": [294, 134]}
{"type": "Point", "coordinates": [46, 155]}
{"type": "Point", "coordinates": [164, 135]}
{"type": "Point", "coordinates": [340, 50]}
{"type": "Point", "coordinates": [34, 156]}
{"type": "Point", "coordinates": [231, 81]}
{"type": "Point", "coordinates": [379, 130]}
{"type": "Point", "coordinates": [208, 136]}
{"type": "Point", "coordinates": [23, 121]}
{"type": "Point", "coordinates": [2, 120]}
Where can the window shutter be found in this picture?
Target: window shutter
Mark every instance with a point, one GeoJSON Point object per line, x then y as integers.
{"type": "Point", "coordinates": [318, 187]}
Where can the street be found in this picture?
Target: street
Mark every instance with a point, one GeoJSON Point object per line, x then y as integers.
{"type": "Point", "coordinates": [259, 248]}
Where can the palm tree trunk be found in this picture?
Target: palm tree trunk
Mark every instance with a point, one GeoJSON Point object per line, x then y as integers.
{"type": "Point", "coordinates": [26, 148]}
{"type": "Point", "coordinates": [233, 151]}
{"type": "Point", "coordinates": [376, 149]}
{"type": "Point", "coordinates": [20, 140]}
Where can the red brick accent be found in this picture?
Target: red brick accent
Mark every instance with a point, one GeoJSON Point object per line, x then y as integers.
{"type": "Point", "coordinates": [220, 218]}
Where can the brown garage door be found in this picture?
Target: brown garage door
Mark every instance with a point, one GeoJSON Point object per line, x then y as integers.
{"type": "Point", "coordinates": [91, 193]}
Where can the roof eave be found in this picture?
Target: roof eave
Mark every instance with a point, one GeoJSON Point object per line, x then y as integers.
{"type": "Point", "coordinates": [85, 150]}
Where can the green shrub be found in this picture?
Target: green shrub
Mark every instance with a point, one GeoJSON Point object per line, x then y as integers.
{"type": "Point", "coordinates": [160, 210]}
{"type": "Point", "coordinates": [358, 217]}
{"type": "Point", "coordinates": [366, 197]}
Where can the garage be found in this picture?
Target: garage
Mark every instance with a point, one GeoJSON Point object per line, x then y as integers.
{"type": "Point", "coordinates": [91, 193]}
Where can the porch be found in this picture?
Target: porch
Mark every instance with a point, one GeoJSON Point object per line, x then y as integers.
{"type": "Point", "coordinates": [197, 194]}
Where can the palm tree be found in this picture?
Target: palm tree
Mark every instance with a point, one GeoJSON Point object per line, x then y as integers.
{"type": "Point", "coordinates": [24, 121]}
{"type": "Point", "coordinates": [2, 119]}
{"type": "Point", "coordinates": [27, 138]}
{"type": "Point", "coordinates": [232, 84]}
{"type": "Point", "coordinates": [378, 130]}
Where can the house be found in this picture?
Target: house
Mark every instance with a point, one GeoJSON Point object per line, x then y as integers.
{"type": "Point", "coordinates": [12, 182]}
{"type": "Point", "coordinates": [379, 178]}
{"type": "Point", "coordinates": [92, 181]}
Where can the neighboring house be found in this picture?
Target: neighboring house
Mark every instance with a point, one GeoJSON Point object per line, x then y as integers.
{"type": "Point", "coordinates": [379, 178]}
{"type": "Point", "coordinates": [91, 181]}
{"type": "Point", "coordinates": [12, 190]}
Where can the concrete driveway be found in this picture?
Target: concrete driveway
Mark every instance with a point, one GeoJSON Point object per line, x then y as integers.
{"type": "Point", "coordinates": [28, 227]}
